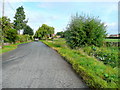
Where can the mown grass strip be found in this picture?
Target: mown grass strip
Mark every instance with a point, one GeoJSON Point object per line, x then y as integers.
{"type": "Point", "coordinates": [112, 40]}
{"type": "Point", "coordinates": [10, 47]}
{"type": "Point", "coordinates": [94, 72]}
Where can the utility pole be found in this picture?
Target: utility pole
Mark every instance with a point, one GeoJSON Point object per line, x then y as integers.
{"type": "Point", "coordinates": [3, 8]}
{"type": "Point", "coordinates": [2, 22]}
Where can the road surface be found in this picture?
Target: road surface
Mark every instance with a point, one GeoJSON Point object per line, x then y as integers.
{"type": "Point", "coordinates": [35, 65]}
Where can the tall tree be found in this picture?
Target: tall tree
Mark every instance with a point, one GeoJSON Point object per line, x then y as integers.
{"type": "Point", "coordinates": [6, 25]}
{"type": "Point", "coordinates": [8, 33]}
{"type": "Point", "coordinates": [28, 30]}
{"type": "Point", "coordinates": [20, 22]}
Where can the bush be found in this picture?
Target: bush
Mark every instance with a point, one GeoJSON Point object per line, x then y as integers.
{"type": "Point", "coordinates": [11, 36]}
{"type": "Point", "coordinates": [84, 31]}
{"type": "Point", "coordinates": [23, 38]}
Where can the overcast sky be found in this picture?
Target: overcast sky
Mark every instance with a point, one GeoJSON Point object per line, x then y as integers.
{"type": "Point", "coordinates": [58, 14]}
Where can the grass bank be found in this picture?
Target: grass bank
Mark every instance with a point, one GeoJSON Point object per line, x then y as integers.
{"type": "Point", "coordinates": [94, 72]}
{"type": "Point", "coordinates": [10, 47]}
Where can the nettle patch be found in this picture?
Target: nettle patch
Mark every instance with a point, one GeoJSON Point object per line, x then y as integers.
{"type": "Point", "coordinates": [109, 57]}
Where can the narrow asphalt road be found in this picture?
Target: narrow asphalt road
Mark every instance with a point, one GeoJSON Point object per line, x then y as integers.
{"type": "Point", "coordinates": [35, 65]}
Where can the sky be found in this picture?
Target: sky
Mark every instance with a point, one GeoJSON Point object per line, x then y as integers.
{"type": "Point", "coordinates": [58, 14]}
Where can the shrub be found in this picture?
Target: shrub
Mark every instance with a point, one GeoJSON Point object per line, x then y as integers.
{"type": "Point", "coordinates": [23, 38]}
{"type": "Point", "coordinates": [11, 36]}
{"type": "Point", "coordinates": [84, 31]}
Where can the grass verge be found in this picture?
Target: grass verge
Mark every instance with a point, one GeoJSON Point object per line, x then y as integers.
{"type": "Point", "coordinates": [95, 73]}
{"type": "Point", "coordinates": [112, 40]}
{"type": "Point", "coordinates": [10, 47]}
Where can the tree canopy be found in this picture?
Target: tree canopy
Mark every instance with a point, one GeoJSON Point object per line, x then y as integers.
{"type": "Point", "coordinates": [28, 30]}
{"type": "Point", "coordinates": [8, 30]}
{"type": "Point", "coordinates": [44, 32]}
{"type": "Point", "coordinates": [8, 33]}
{"type": "Point", "coordinates": [11, 35]}
{"type": "Point", "coordinates": [85, 30]}
{"type": "Point", "coordinates": [20, 22]}
{"type": "Point", "coordinates": [61, 34]}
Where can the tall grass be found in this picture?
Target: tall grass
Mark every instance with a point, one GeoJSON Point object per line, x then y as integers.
{"type": "Point", "coordinates": [94, 72]}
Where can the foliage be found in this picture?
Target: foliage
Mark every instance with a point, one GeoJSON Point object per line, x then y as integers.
{"type": "Point", "coordinates": [5, 25]}
{"type": "Point", "coordinates": [94, 72]}
{"type": "Point", "coordinates": [44, 32]}
{"type": "Point", "coordinates": [8, 33]}
{"type": "Point", "coordinates": [28, 30]}
{"type": "Point", "coordinates": [60, 34]}
{"type": "Point", "coordinates": [23, 38]}
{"type": "Point", "coordinates": [8, 30]}
{"type": "Point", "coordinates": [105, 54]}
{"type": "Point", "coordinates": [1, 38]}
{"type": "Point", "coordinates": [19, 22]}
{"type": "Point", "coordinates": [84, 31]}
{"type": "Point", "coordinates": [11, 35]}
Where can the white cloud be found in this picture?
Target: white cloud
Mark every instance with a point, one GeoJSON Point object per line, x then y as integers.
{"type": "Point", "coordinates": [113, 8]}
{"type": "Point", "coordinates": [44, 5]}
{"type": "Point", "coordinates": [112, 28]}
{"type": "Point", "coordinates": [36, 19]}
{"type": "Point", "coordinates": [113, 24]}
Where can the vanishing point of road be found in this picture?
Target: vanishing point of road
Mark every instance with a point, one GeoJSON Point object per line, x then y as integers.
{"type": "Point", "coordinates": [35, 65]}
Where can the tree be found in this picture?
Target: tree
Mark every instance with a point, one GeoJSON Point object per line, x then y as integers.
{"type": "Point", "coordinates": [44, 32]}
{"type": "Point", "coordinates": [61, 34]}
{"type": "Point", "coordinates": [19, 22]}
{"type": "Point", "coordinates": [6, 26]}
{"type": "Point", "coordinates": [28, 30]}
{"type": "Point", "coordinates": [84, 31]}
{"type": "Point", "coordinates": [50, 31]}
{"type": "Point", "coordinates": [8, 33]}
{"type": "Point", "coordinates": [1, 38]}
